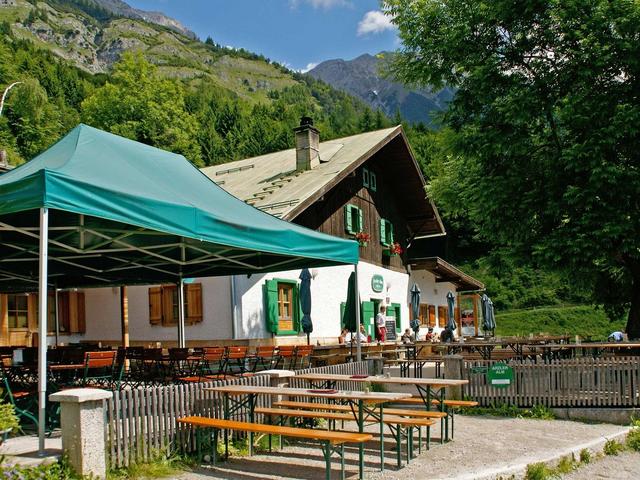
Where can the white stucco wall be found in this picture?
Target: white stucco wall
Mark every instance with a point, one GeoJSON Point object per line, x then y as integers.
{"type": "Point", "coordinates": [328, 290]}
{"type": "Point", "coordinates": [432, 293]}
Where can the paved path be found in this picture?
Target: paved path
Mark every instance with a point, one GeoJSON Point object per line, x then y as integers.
{"type": "Point", "coordinates": [484, 448]}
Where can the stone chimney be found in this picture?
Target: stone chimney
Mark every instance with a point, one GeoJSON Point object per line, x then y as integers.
{"type": "Point", "coordinates": [307, 145]}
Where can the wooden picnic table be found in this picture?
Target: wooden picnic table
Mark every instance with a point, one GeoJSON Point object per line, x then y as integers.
{"type": "Point", "coordinates": [596, 348]}
{"type": "Point", "coordinates": [369, 404]}
{"type": "Point", "coordinates": [418, 364]}
{"type": "Point", "coordinates": [428, 388]}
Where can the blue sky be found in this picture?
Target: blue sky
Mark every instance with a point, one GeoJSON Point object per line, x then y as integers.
{"type": "Point", "coordinates": [297, 33]}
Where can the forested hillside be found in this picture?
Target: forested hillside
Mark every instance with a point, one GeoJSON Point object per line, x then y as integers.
{"type": "Point", "coordinates": [207, 123]}
{"type": "Point", "coordinates": [213, 105]}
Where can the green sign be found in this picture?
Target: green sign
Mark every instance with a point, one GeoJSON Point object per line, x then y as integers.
{"type": "Point", "coordinates": [377, 283]}
{"type": "Point", "coordinates": [479, 369]}
{"type": "Point", "coordinates": [500, 375]}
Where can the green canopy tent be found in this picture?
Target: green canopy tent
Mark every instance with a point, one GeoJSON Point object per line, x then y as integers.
{"type": "Point", "coordinates": [100, 210]}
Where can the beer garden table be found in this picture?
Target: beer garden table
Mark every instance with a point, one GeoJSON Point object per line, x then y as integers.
{"type": "Point", "coordinates": [361, 402]}
{"type": "Point", "coordinates": [427, 388]}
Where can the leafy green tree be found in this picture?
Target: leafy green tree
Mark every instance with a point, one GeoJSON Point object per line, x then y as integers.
{"type": "Point", "coordinates": [545, 147]}
{"type": "Point", "coordinates": [138, 104]}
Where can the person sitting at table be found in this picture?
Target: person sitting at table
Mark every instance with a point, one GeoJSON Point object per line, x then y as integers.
{"type": "Point", "coordinates": [343, 335]}
{"type": "Point", "coordinates": [447, 335]}
{"type": "Point", "coordinates": [430, 336]}
{"type": "Point", "coordinates": [616, 336]}
{"type": "Point", "coordinates": [350, 337]}
{"type": "Point", "coordinates": [406, 336]}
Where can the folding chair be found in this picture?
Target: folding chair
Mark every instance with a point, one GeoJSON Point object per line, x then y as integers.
{"type": "Point", "coordinates": [263, 358]}
{"type": "Point", "coordinates": [236, 362]}
{"type": "Point", "coordinates": [286, 357]}
{"type": "Point", "coordinates": [303, 356]}
{"type": "Point", "coordinates": [101, 370]}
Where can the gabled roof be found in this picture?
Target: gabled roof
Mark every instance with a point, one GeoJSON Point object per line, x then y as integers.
{"type": "Point", "coordinates": [272, 184]}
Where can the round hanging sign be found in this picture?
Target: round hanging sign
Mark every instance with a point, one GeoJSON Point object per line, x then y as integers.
{"type": "Point", "coordinates": [377, 283]}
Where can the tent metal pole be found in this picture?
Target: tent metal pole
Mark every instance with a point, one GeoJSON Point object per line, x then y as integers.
{"type": "Point", "coordinates": [182, 341]}
{"type": "Point", "coordinates": [357, 289]}
{"type": "Point", "coordinates": [57, 317]}
{"type": "Point", "coordinates": [42, 327]}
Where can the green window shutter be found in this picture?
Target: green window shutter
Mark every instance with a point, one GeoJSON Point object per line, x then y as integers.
{"type": "Point", "coordinates": [373, 182]}
{"type": "Point", "coordinates": [343, 306]}
{"type": "Point", "coordinates": [383, 232]}
{"type": "Point", "coordinates": [365, 178]}
{"type": "Point", "coordinates": [367, 311]}
{"type": "Point", "coordinates": [348, 220]}
{"type": "Point", "coordinates": [271, 305]}
{"type": "Point", "coordinates": [390, 229]}
{"type": "Point", "coordinates": [396, 309]}
{"type": "Point", "coordinates": [360, 220]}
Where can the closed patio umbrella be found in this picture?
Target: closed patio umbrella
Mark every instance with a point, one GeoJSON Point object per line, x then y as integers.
{"type": "Point", "coordinates": [451, 322]}
{"type": "Point", "coordinates": [350, 321]}
{"type": "Point", "coordinates": [305, 303]}
{"type": "Point", "coordinates": [488, 315]}
{"type": "Point", "coordinates": [415, 308]}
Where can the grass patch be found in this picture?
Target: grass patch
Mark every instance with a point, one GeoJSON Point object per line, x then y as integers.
{"type": "Point", "coordinates": [539, 412]}
{"type": "Point", "coordinates": [538, 471]}
{"type": "Point", "coordinates": [54, 471]}
{"type": "Point", "coordinates": [161, 465]}
{"type": "Point", "coordinates": [633, 439]}
{"type": "Point", "coordinates": [583, 320]}
{"type": "Point", "coordinates": [612, 447]}
{"type": "Point", "coordinates": [585, 456]}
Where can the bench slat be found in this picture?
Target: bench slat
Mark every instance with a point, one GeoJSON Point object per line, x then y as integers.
{"type": "Point", "coordinates": [325, 435]}
{"type": "Point", "coordinates": [394, 420]}
{"type": "Point", "coordinates": [346, 408]}
{"type": "Point", "coordinates": [449, 403]}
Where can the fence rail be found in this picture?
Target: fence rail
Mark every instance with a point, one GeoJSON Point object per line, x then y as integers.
{"type": "Point", "coordinates": [578, 382]}
{"type": "Point", "coordinates": [141, 422]}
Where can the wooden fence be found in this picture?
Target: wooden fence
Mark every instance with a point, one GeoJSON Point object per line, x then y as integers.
{"type": "Point", "coordinates": [578, 382]}
{"type": "Point", "coordinates": [141, 422]}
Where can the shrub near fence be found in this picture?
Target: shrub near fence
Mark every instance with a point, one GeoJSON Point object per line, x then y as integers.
{"type": "Point", "coordinates": [141, 422]}
{"type": "Point", "coordinates": [579, 382]}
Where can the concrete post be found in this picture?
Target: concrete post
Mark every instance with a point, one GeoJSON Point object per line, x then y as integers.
{"type": "Point", "coordinates": [375, 365]}
{"type": "Point", "coordinates": [82, 422]}
{"type": "Point", "coordinates": [280, 379]}
{"type": "Point", "coordinates": [453, 365]}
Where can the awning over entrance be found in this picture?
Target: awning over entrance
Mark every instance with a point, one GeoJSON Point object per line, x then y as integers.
{"type": "Point", "coordinates": [121, 212]}
{"type": "Point", "coordinates": [445, 272]}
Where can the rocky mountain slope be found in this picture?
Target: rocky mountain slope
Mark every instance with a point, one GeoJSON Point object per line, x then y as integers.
{"type": "Point", "coordinates": [120, 8]}
{"type": "Point", "coordinates": [94, 40]}
{"type": "Point", "coordinates": [363, 78]}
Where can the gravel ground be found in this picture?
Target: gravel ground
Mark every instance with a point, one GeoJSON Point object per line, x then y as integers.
{"type": "Point", "coordinates": [625, 466]}
{"type": "Point", "coordinates": [484, 448]}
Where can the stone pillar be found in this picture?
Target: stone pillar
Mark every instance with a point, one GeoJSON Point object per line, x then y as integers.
{"type": "Point", "coordinates": [453, 365]}
{"type": "Point", "coordinates": [375, 365]}
{"type": "Point", "coordinates": [82, 422]}
{"type": "Point", "coordinates": [280, 379]}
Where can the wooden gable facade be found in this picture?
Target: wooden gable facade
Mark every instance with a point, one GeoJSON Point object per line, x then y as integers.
{"type": "Point", "coordinates": [387, 189]}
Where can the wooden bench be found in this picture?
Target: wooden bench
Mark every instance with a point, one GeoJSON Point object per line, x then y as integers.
{"type": "Point", "coordinates": [394, 422]}
{"type": "Point", "coordinates": [450, 406]}
{"type": "Point", "coordinates": [332, 442]}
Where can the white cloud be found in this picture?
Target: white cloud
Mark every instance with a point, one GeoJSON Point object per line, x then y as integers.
{"type": "Point", "coordinates": [324, 4]}
{"type": "Point", "coordinates": [310, 66]}
{"type": "Point", "coordinates": [374, 22]}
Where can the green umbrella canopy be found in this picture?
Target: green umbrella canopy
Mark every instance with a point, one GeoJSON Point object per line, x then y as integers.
{"type": "Point", "coordinates": [122, 212]}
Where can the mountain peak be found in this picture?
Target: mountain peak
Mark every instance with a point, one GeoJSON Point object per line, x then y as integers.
{"type": "Point", "coordinates": [362, 78]}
